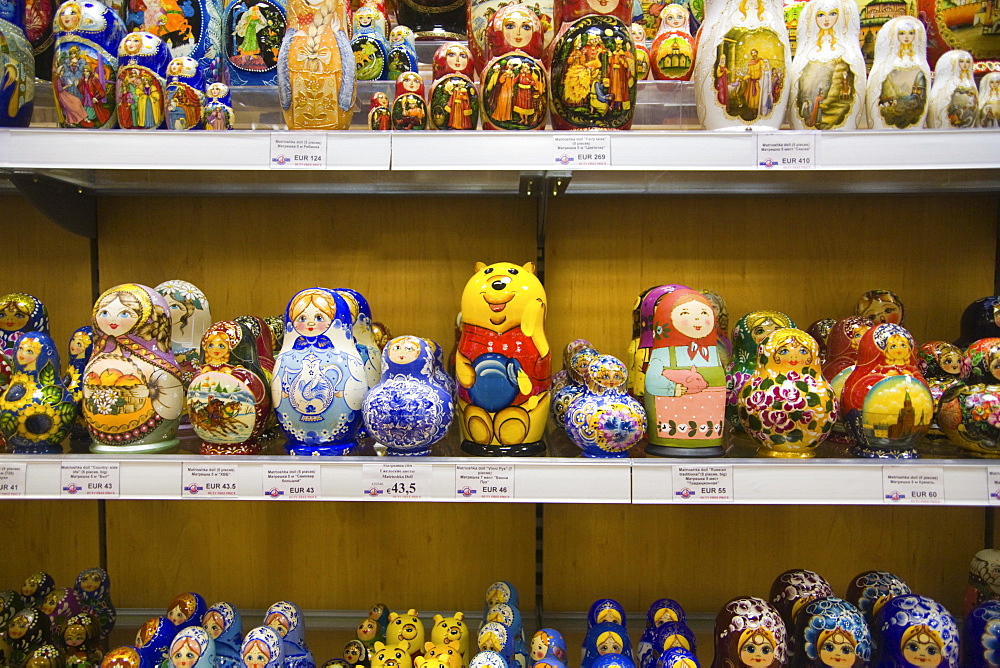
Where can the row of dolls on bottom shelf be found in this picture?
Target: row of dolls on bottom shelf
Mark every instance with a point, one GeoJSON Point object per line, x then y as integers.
{"type": "Point", "coordinates": [44, 626]}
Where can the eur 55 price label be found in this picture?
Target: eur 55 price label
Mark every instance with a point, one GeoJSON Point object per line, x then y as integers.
{"type": "Point", "coordinates": [703, 484]}
{"type": "Point", "coordinates": [396, 481]}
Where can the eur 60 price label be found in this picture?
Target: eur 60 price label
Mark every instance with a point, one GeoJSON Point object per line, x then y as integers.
{"type": "Point", "coordinates": [396, 481]}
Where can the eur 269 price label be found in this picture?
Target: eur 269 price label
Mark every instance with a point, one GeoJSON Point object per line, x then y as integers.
{"type": "Point", "coordinates": [396, 481]}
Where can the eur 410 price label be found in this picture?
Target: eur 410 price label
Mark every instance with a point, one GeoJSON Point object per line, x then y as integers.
{"type": "Point", "coordinates": [786, 150]}
{"type": "Point", "coordinates": [905, 485]}
{"type": "Point", "coordinates": [209, 481]}
{"type": "Point", "coordinates": [484, 481]}
{"type": "Point", "coordinates": [295, 481]}
{"type": "Point", "coordinates": [77, 479]}
{"type": "Point", "coordinates": [396, 481]}
{"type": "Point", "coordinates": [703, 484]}
{"type": "Point", "coordinates": [298, 150]}
{"type": "Point", "coordinates": [12, 479]}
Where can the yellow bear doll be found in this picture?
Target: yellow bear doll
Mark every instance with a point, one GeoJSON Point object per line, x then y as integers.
{"type": "Point", "coordinates": [503, 364]}
{"type": "Point", "coordinates": [391, 656]}
{"type": "Point", "coordinates": [453, 631]}
{"type": "Point", "coordinates": [405, 627]}
{"type": "Point", "coordinates": [446, 653]}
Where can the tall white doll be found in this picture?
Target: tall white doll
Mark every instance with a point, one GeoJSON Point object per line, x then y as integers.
{"type": "Point", "coordinates": [989, 100]}
{"type": "Point", "coordinates": [900, 77]}
{"type": "Point", "coordinates": [954, 100]}
{"type": "Point", "coordinates": [828, 72]}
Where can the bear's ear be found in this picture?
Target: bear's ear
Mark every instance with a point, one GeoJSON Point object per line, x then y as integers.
{"type": "Point", "coordinates": [393, 616]}
{"type": "Point", "coordinates": [411, 612]}
{"type": "Point", "coordinates": [438, 619]}
{"type": "Point", "coordinates": [404, 645]}
{"type": "Point", "coordinates": [529, 267]}
{"type": "Point", "coordinates": [379, 645]}
{"type": "Point", "coordinates": [419, 661]}
{"type": "Point", "coordinates": [459, 616]}
{"type": "Point", "coordinates": [428, 646]}
{"type": "Point", "coordinates": [480, 266]}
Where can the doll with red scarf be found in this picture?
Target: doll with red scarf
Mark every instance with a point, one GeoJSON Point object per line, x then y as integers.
{"type": "Point", "coordinates": [685, 392]}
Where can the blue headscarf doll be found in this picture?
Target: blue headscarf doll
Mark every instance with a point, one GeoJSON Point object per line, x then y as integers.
{"type": "Point", "coordinates": [223, 623]}
{"type": "Point", "coordinates": [286, 619]}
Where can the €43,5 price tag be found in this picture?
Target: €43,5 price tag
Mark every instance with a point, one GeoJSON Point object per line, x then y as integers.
{"type": "Point", "coordinates": [396, 481]}
{"type": "Point", "coordinates": [12, 479]}
{"type": "Point", "coordinates": [298, 150]}
{"type": "Point", "coordinates": [702, 484]}
{"type": "Point", "coordinates": [209, 481]}
{"type": "Point", "coordinates": [912, 485]}
{"type": "Point", "coordinates": [484, 481]}
{"type": "Point", "coordinates": [291, 482]}
{"type": "Point", "coordinates": [89, 479]}
{"type": "Point", "coordinates": [786, 150]}
{"type": "Point", "coordinates": [583, 149]}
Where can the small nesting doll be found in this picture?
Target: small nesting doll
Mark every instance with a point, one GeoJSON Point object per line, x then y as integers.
{"type": "Point", "coordinates": [792, 590]}
{"type": "Point", "coordinates": [402, 53]}
{"type": "Point", "coordinates": [319, 379]}
{"type": "Point", "coordinates": [59, 606]}
{"type": "Point", "coordinates": [980, 320]}
{"type": "Point", "coordinates": [93, 586]}
{"type": "Point", "coordinates": [832, 633]}
{"type": "Point", "coordinates": [356, 655]}
{"type": "Point", "coordinates": [192, 647]}
{"type": "Point", "coordinates": [842, 353]}
{"type": "Point", "coordinates": [262, 648]}
{"type": "Point", "coordinates": [190, 316]}
{"type": "Point", "coordinates": [187, 609]}
{"type": "Point", "coordinates": [26, 632]}
{"type": "Point", "coordinates": [546, 644]}
{"type": "Point", "coordinates": [20, 314]}
{"type": "Point", "coordinates": [286, 620]}
{"type": "Point", "coordinates": [139, 87]}
{"type": "Point", "coordinates": [316, 66]}
{"type": "Point", "coordinates": [940, 363]}
{"type": "Point", "coordinates": [605, 421]}
{"type": "Point", "coordinates": [721, 325]}
{"type": "Point", "coordinates": [954, 100]}
{"type": "Point", "coordinates": [989, 101]}
{"type": "Point", "coordinates": [218, 112]}
{"type": "Point", "coordinates": [606, 610]}
{"type": "Point", "coordinates": [786, 405]}
{"type": "Point", "coordinates": [152, 640]}
{"type": "Point", "coordinates": [184, 95]}
{"type": "Point", "coordinates": [497, 637]}
{"type": "Point", "coordinates": [886, 403]}
{"type": "Point", "coordinates": [407, 411]}
{"type": "Point", "coordinates": [368, 632]}
{"type": "Point", "coordinates": [515, 83]}
{"type": "Point", "coordinates": [641, 345]}
{"type": "Point", "coordinates": [605, 638]}
{"type": "Point", "coordinates": [668, 636]}
{"type": "Point", "coordinates": [405, 627]}
{"type": "Point", "coordinates": [984, 579]}
{"type": "Point", "coordinates": [660, 611]}
{"type": "Point", "coordinates": [379, 116]}
{"type": "Point", "coordinates": [685, 394]}
{"type": "Point", "coordinates": [969, 414]}
{"type": "Point", "coordinates": [35, 588]}
{"type": "Point", "coordinates": [17, 101]}
{"type": "Point", "coordinates": [916, 631]}
{"type": "Point", "coordinates": [981, 636]}
{"type": "Point", "coordinates": [228, 402]}
{"type": "Point", "coordinates": [85, 64]}
{"type": "Point", "coordinates": [562, 377]}
{"type": "Point", "coordinates": [880, 306]}
{"type": "Point", "coordinates": [132, 391]}
{"type": "Point", "coordinates": [364, 339]}
{"type": "Point", "coordinates": [820, 331]}
{"type": "Point", "coordinates": [46, 656]}
{"type": "Point", "coordinates": [641, 51]}
{"type": "Point", "coordinates": [453, 97]}
{"type": "Point", "coordinates": [224, 625]}
{"type": "Point", "coordinates": [122, 657]}
{"type": "Point", "coordinates": [677, 657]}
{"type": "Point", "coordinates": [671, 57]}
{"type": "Point", "coordinates": [489, 659]}
{"type": "Point", "coordinates": [36, 409]}
{"type": "Point", "coordinates": [749, 331]}
{"type": "Point", "coordinates": [749, 633]}
{"type": "Point", "coordinates": [81, 638]}
{"type": "Point", "coordinates": [81, 346]}
{"type": "Point", "coordinates": [409, 110]}
{"type": "Point", "coordinates": [575, 386]}
{"type": "Point", "coordinates": [828, 75]}
{"type": "Point", "coordinates": [870, 590]}
{"type": "Point", "coordinates": [371, 50]}
{"type": "Point", "coordinates": [900, 77]}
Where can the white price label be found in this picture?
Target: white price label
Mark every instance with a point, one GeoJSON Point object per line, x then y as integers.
{"type": "Point", "coordinates": [993, 485]}
{"type": "Point", "coordinates": [395, 481]}
{"type": "Point", "coordinates": [484, 481]}
{"type": "Point", "coordinates": [89, 479]}
{"type": "Point", "coordinates": [912, 485]}
{"type": "Point", "coordinates": [291, 482]}
{"type": "Point", "coordinates": [298, 150]}
{"type": "Point", "coordinates": [786, 150]}
{"type": "Point", "coordinates": [583, 149]}
{"type": "Point", "coordinates": [209, 481]}
{"type": "Point", "coordinates": [12, 479]}
{"type": "Point", "coordinates": [702, 484]}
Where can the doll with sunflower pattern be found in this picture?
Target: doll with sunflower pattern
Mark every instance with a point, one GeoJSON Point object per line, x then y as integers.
{"type": "Point", "coordinates": [36, 410]}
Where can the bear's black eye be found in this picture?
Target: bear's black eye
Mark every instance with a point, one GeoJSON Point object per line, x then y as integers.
{"type": "Point", "coordinates": [512, 272]}
{"type": "Point", "coordinates": [488, 270]}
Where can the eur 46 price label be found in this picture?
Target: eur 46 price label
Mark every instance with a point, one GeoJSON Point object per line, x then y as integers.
{"type": "Point", "coordinates": [476, 482]}
{"type": "Point", "coordinates": [396, 481]}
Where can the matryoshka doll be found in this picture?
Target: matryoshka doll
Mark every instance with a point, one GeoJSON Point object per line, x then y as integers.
{"type": "Point", "coordinates": [669, 635]}
{"type": "Point", "coordinates": [35, 588]}
{"type": "Point", "coordinates": [954, 99]}
{"type": "Point", "coordinates": [368, 41]}
{"type": "Point", "coordinates": [432, 19]}
{"type": "Point", "coordinates": [497, 637]}
{"type": "Point", "coordinates": [409, 110]}
{"type": "Point", "coordinates": [880, 306]}
{"type": "Point", "coordinates": [368, 632]}
{"type": "Point", "coordinates": [515, 83]}
{"type": "Point", "coordinates": [46, 656]}
{"type": "Point", "coordinates": [641, 51]}
{"type": "Point", "coordinates": [748, 333]}
{"type": "Point", "coordinates": [139, 85]}
{"type": "Point", "coordinates": [984, 579]}
{"type": "Point", "coordinates": [262, 648]}
{"type": "Point", "coordinates": [827, 77]}
{"type": "Point", "coordinates": [916, 631]}
{"type": "Point", "coordinates": [749, 633]}
{"type": "Point", "coordinates": [605, 421]}
{"type": "Point", "coordinates": [93, 587]}
{"type": "Point", "coordinates": [229, 401]}
{"type": "Point", "coordinates": [605, 638]}
{"type": "Point", "coordinates": [671, 57]}
{"type": "Point", "coordinates": [185, 95]}
{"type": "Point", "coordinates": [126, 656]}
{"type": "Point", "coordinates": [81, 639]}
{"type": "Point", "coordinates": [989, 101]}
{"type": "Point", "coordinates": [20, 314]}
{"type": "Point", "coordinates": [59, 605]}
{"type": "Point", "coordinates": [316, 66]}
{"type": "Point", "coordinates": [980, 320]}
{"type": "Point", "coordinates": [790, 591]}
{"type": "Point", "coordinates": [606, 610]}
{"type": "Point", "coordinates": [981, 636]}
{"type": "Point", "coordinates": [721, 325]}
{"type": "Point", "coordinates": [218, 111]}
{"type": "Point", "coordinates": [186, 610]}
{"type": "Point", "coordinates": [501, 592]}
{"type": "Point", "coordinates": [575, 387]}
{"type": "Point", "coordinates": [379, 116]}
{"type": "Point", "coordinates": [794, 412]}
{"type": "Point", "coordinates": [685, 394]}
{"type": "Point", "coordinates": [491, 659]}
{"type": "Point", "coordinates": [81, 345]}
{"type": "Point", "coordinates": [26, 632]}
{"type": "Point", "coordinates": [453, 97]}
{"type": "Point", "coordinates": [17, 98]}
{"type": "Point", "coordinates": [132, 391]}
{"type": "Point", "coordinates": [661, 611]}
{"type": "Point", "coordinates": [842, 355]}
{"type": "Point", "coordinates": [402, 53]}
{"type": "Point", "coordinates": [546, 644]}
{"type": "Point", "coordinates": [356, 655]}
{"type": "Point", "coordinates": [612, 661]}
{"type": "Point", "coordinates": [832, 633]}
{"type": "Point", "coordinates": [253, 31]}
{"type": "Point", "coordinates": [741, 73]}
{"type": "Point", "coordinates": [886, 404]}
{"type": "Point", "coordinates": [224, 625]}
{"type": "Point", "coordinates": [970, 415]}
{"type": "Point", "coordinates": [361, 328]}
{"type": "Point", "coordinates": [562, 378]}
{"type": "Point", "coordinates": [900, 76]}
{"type": "Point", "coordinates": [870, 590]}
{"type": "Point", "coordinates": [677, 657]}
{"type": "Point", "coordinates": [152, 640]}
{"type": "Point", "coordinates": [407, 411]}
{"type": "Point", "coordinates": [820, 331]}
{"type": "Point", "coordinates": [36, 409]}
{"type": "Point", "coordinates": [641, 346]}
{"type": "Point", "coordinates": [940, 363]}
{"type": "Point", "coordinates": [286, 620]}
{"type": "Point", "coordinates": [192, 647]}
{"type": "Point", "coordinates": [319, 379]}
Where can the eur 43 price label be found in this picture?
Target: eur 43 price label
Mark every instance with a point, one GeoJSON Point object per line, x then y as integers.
{"type": "Point", "coordinates": [291, 482]}
{"type": "Point", "coordinates": [12, 478]}
{"type": "Point", "coordinates": [786, 150]}
{"type": "Point", "coordinates": [298, 150]}
{"type": "Point", "coordinates": [89, 479]}
{"type": "Point", "coordinates": [702, 484]}
{"type": "Point", "coordinates": [209, 481]}
{"type": "Point", "coordinates": [396, 481]}
{"type": "Point", "coordinates": [912, 485]}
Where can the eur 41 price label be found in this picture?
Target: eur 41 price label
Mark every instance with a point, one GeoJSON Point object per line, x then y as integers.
{"type": "Point", "coordinates": [702, 484]}
{"type": "Point", "coordinates": [583, 149]}
{"type": "Point", "coordinates": [209, 481]}
{"type": "Point", "coordinates": [89, 479]}
{"type": "Point", "coordinates": [786, 150]}
{"type": "Point", "coordinates": [298, 150]}
{"type": "Point", "coordinates": [299, 481]}
{"type": "Point", "coordinates": [484, 481]}
{"type": "Point", "coordinates": [12, 478]}
{"type": "Point", "coordinates": [396, 481]}
{"type": "Point", "coordinates": [905, 485]}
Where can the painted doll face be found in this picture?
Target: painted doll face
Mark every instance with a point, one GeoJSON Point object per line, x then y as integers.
{"type": "Point", "coordinates": [352, 653]}
{"type": "Point", "coordinates": [921, 650]}
{"type": "Point", "coordinates": [255, 656]}
{"type": "Point", "coordinates": [457, 58]}
{"type": "Point", "coordinates": [764, 328]}
{"type": "Point", "coordinates": [404, 352]}
{"type": "Point", "coordinates": [367, 630]}
{"type": "Point", "coordinates": [609, 614]}
{"type": "Point", "coordinates": [602, 6]}
{"type": "Point", "coordinates": [837, 651]}
{"type": "Point", "coordinates": [880, 311]}
{"type": "Point", "coordinates": [757, 651]}
{"type": "Point", "coordinates": [48, 606]}
{"type": "Point", "coordinates": [116, 319]}
{"type": "Point", "coordinates": [184, 656]}
{"type": "Point", "coordinates": [18, 627]}
{"type": "Point", "coordinates": [279, 623]}
{"type": "Point", "coordinates": [27, 352]}
{"type": "Point", "coordinates": [411, 84]}
{"type": "Point", "coordinates": [675, 17]}
{"type": "Point", "coordinates": [827, 18]}
{"type": "Point", "coordinates": [517, 30]}
{"type": "Point", "coordinates": [77, 346]}
{"type": "Point", "coordinates": [857, 336]}
{"type": "Point", "coordinates": [217, 350]}
{"type": "Point", "coordinates": [175, 67]}
{"type": "Point", "coordinates": [664, 615]}
{"type": "Point", "coordinates": [897, 350]}
{"type": "Point", "coordinates": [693, 319]}
{"type": "Point", "coordinates": [312, 321]}
{"type": "Point", "coordinates": [906, 35]}
{"type": "Point", "coordinates": [214, 624]}
{"type": "Point", "coordinates": [74, 635]}
{"type": "Point", "coordinates": [177, 614]}
{"type": "Point", "coordinates": [69, 17]}
{"type": "Point", "coordinates": [11, 319]}
{"type": "Point", "coordinates": [675, 640]}
{"type": "Point", "coordinates": [793, 354]}
{"type": "Point", "coordinates": [609, 643]}
{"type": "Point", "coordinates": [538, 647]}
{"type": "Point", "coordinates": [609, 375]}
{"type": "Point", "coordinates": [951, 362]}
{"type": "Point", "coordinates": [133, 42]}
{"type": "Point", "coordinates": [90, 581]}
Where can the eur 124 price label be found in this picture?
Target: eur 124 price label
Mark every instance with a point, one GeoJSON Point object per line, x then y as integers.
{"type": "Point", "coordinates": [484, 481]}
{"type": "Point", "coordinates": [396, 481]}
{"type": "Point", "coordinates": [702, 484]}
{"type": "Point", "coordinates": [12, 479]}
{"type": "Point", "coordinates": [209, 481]}
{"type": "Point", "coordinates": [298, 150]}
{"type": "Point", "coordinates": [299, 481]}
{"type": "Point", "coordinates": [89, 479]}
{"type": "Point", "coordinates": [916, 485]}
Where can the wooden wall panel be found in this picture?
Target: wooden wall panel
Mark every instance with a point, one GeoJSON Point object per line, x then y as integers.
{"type": "Point", "coordinates": [61, 538]}
{"type": "Point", "coordinates": [808, 256]}
{"type": "Point", "coordinates": [410, 256]}
{"type": "Point", "coordinates": [704, 555]}
{"type": "Point", "coordinates": [330, 556]}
